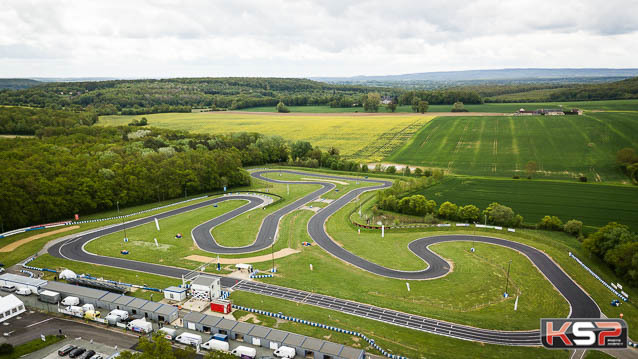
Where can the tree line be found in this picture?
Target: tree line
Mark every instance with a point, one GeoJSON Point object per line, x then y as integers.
{"type": "Point", "coordinates": [64, 171]}
{"type": "Point", "coordinates": [26, 121]}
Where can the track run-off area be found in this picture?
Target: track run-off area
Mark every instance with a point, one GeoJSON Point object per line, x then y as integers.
{"type": "Point", "coordinates": [581, 304]}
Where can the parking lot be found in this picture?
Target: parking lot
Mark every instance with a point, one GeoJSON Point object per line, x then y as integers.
{"type": "Point", "coordinates": [51, 352]}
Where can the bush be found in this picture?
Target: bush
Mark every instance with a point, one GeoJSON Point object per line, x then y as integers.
{"type": "Point", "coordinates": [582, 178]}
{"type": "Point", "coordinates": [282, 108]}
{"type": "Point", "coordinates": [552, 223]}
{"type": "Point", "coordinates": [6, 348]}
{"type": "Point", "coordinates": [573, 227]}
{"type": "Point", "coordinates": [391, 169]}
{"type": "Point", "coordinates": [516, 177]}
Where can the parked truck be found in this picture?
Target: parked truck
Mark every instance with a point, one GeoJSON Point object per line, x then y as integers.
{"type": "Point", "coordinates": [220, 306]}
{"type": "Point", "coordinates": [70, 301]}
{"type": "Point", "coordinates": [140, 326]}
{"type": "Point", "coordinates": [216, 345]}
{"type": "Point", "coordinates": [48, 296]}
{"type": "Point", "coordinates": [244, 352]}
{"type": "Point", "coordinates": [285, 352]}
{"type": "Point", "coordinates": [189, 339]}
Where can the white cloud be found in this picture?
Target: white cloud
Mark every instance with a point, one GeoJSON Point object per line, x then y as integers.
{"type": "Point", "coordinates": [161, 38]}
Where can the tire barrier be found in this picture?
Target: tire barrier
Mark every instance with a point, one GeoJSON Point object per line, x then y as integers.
{"type": "Point", "coordinates": [225, 295]}
{"type": "Point", "coordinates": [624, 298]}
{"type": "Point", "coordinates": [26, 265]}
{"type": "Point", "coordinates": [319, 325]}
{"type": "Point", "coordinates": [30, 274]}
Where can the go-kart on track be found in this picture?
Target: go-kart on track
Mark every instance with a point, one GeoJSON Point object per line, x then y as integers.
{"type": "Point", "coordinates": [582, 306]}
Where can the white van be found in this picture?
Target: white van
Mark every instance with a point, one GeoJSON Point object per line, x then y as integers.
{"type": "Point", "coordinates": [23, 291]}
{"type": "Point", "coordinates": [214, 344]}
{"type": "Point", "coordinates": [189, 339]}
{"type": "Point", "coordinates": [244, 351]}
{"type": "Point", "coordinates": [70, 301]}
{"type": "Point", "coordinates": [169, 333]}
{"type": "Point", "coordinates": [88, 306]}
{"type": "Point", "coordinates": [140, 326]}
{"type": "Point", "coordinates": [122, 314]}
{"type": "Point", "coordinates": [285, 352]}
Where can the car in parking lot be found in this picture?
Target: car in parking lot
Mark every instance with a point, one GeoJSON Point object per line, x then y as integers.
{"type": "Point", "coordinates": [8, 288]}
{"type": "Point", "coordinates": [89, 354]}
{"type": "Point", "coordinates": [65, 350]}
{"type": "Point", "coordinates": [75, 353]}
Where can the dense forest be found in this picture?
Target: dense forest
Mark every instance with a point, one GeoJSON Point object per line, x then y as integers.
{"type": "Point", "coordinates": [26, 121]}
{"type": "Point", "coordinates": [16, 84]}
{"type": "Point", "coordinates": [135, 97]}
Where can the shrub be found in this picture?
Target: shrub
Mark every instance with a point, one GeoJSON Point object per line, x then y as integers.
{"type": "Point", "coordinates": [573, 227]}
{"type": "Point", "coordinates": [552, 223]}
{"type": "Point", "coordinates": [582, 178]}
{"type": "Point", "coordinates": [282, 108]}
{"type": "Point", "coordinates": [6, 348]}
{"type": "Point", "coordinates": [516, 177]}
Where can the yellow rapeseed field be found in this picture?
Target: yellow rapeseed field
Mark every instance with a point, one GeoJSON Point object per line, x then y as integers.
{"type": "Point", "coordinates": [350, 133]}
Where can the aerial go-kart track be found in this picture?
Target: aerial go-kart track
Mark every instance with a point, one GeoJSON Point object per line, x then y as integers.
{"type": "Point", "coordinates": [581, 304]}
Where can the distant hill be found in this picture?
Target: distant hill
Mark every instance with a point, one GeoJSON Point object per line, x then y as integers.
{"type": "Point", "coordinates": [17, 84]}
{"type": "Point", "coordinates": [536, 74]}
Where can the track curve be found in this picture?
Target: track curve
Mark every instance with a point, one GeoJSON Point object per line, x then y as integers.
{"type": "Point", "coordinates": [582, 306]}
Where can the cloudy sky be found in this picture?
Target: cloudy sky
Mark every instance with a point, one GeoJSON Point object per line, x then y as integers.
{"type": "Point", "coordinates": [164, 38]}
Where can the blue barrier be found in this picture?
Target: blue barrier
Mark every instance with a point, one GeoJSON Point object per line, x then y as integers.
{"type": "Point", "coordinates": [597, 277]}
{"type": "Point", "coordinates": [297, 320]}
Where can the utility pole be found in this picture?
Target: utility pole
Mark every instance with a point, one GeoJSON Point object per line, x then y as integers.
{"type": "Point", "coordinates": [123, 224]}
{"type": "Point", "coordinates": [507, 280]}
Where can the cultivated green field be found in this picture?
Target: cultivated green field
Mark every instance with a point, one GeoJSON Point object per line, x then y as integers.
{"type": "Point", "coordinates": [563, 147]}
{"type": "Point", "coordinates": [594, 204]}
{"type": "Point", "coordinates": [608, 105]}
{"type": "Point", "coordinates": [363, 136]}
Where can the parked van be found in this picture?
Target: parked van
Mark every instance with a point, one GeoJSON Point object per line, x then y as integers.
{"type": "Point", "coordinates": [88, 306]}
{"type": "Point", "coordinates": [216, 345]}
{"type": "Point", "coordinates": [285, 352]}
{"type": "Point", "coordinates": [140, 326]}
{"type": "Point", "coordinates": [189, 339]}
{"type": "Point", "coordinates": [70, 301]}
{"type": "Point", "coordinates": [23, 291]}
{"type": "Point", "coordinates": [169, 333]}
{"type": "Point", "coordinates": [244, 352]}
{"type": "Point", "coordinates": [75, 310]}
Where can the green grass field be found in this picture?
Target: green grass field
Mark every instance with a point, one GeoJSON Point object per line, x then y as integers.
{"type": "Point", "coordinates": [617, 105]}
{"type": "Point", "coordinates": [563, 147]}
{"type": "Point", "coordinates": [594, 204]}
{"type": "Point", "coordinates": [348, 133]}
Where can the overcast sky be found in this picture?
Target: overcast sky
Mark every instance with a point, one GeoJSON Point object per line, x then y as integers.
{"type": "Point", "coordinates": [164, 38]}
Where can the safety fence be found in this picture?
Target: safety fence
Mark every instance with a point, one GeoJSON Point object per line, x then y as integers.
{"type": "Point", "coordinates": [319, 325]}
{"type": "Point", "coordinates": [67, 223]}
{"type": "Point", "coordinates": [255, 274]}
{"type": "Point", "coordinates": [619, 295]}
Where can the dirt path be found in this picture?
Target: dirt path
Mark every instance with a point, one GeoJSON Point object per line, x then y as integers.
{"type": "Point", "coordinates": [12, 246]}
{"type": "Point", "coordinates": [266, 257]}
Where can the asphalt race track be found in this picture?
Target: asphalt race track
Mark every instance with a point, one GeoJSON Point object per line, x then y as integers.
{"type": "Point", "coordinates": [582, 306]}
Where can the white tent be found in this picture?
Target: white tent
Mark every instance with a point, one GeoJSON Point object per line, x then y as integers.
{"type": "Point", "coordinates": [68, 274]}
{"type": "Point", "coordinates": [10, 306]}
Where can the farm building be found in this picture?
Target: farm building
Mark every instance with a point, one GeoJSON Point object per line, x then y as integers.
{"type": "Point", "coordinates": [524, 112]}
{"type": "Point", "coordinates": [551, 112]}
{"type": "Point", "coordinates": [175, 293]}
{"type": "Point", "coordinates": [20, 281]}
{"type": "Point", "coordinates": [206, 287]}
{"type": "Point", "coordinates": [10, 306]}
{"type": "Point", "coordinates": [271, 338]}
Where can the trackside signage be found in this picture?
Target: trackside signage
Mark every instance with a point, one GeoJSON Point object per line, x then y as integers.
{"type": "Point", "coordinates": [589, 333]}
